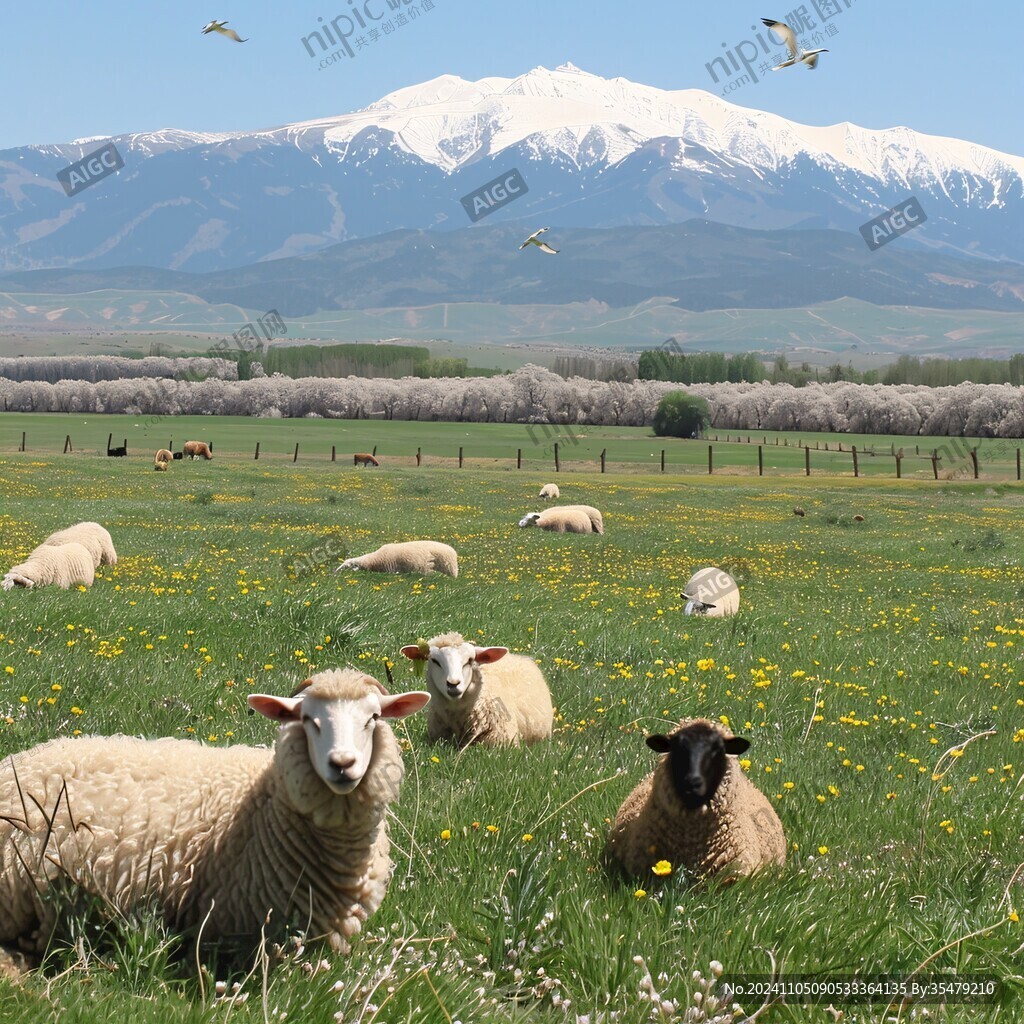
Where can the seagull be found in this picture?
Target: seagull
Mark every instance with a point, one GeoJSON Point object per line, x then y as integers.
{"type": "Point", "coordinates": [543, 246]}
{"type": "Point", "coordinates": [219, 26]}
{"type": "Point", "coordinates": [796, 55]}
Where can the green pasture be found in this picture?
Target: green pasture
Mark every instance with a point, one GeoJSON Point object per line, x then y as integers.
{"type": "Point", "coordinates": [495, 445]}
{"type": "Point", "coordinates": [875, 666]}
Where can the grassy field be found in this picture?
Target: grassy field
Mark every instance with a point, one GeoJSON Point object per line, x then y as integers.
{"type": "Point", "coordinates": [874, 666]}
{"type": "Point", "coordinates": [494, 445]}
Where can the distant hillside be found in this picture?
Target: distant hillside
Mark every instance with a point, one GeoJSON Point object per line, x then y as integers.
{"type": "Point", "coordinates": [696, 266]}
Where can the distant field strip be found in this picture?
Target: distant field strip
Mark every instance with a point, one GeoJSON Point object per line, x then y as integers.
{"type": "Point", "coordinates": [530, 447]}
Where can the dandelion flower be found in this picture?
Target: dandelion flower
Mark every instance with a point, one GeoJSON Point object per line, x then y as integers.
{"type": "Point", "coordinates": [663, 867]}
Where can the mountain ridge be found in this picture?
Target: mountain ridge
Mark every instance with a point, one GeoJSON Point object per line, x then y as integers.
{"type": "Point", "coordinates": [595, 153]}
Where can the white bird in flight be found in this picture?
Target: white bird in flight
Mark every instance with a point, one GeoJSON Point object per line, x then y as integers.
{"type": "Point", "coordinates": [796, 55]}
{"type": "Point", "coordinates": [543, 246]}
{"type": "Point", "coordinates": [219, 26]}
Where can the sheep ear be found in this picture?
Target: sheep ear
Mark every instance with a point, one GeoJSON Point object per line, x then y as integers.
{"type": "Point", "coordinates": [737, 745]}
{"type": "Point", "coordinates": [659, 744]}
{"type": "Point", "coordinates": [280, 709]}
{"type": "Point", "coordinates": [487, 655]}
{"type": "Point", "coordinates": [414, 652]}
{"type": "Point", "coordinates": [398, 705]}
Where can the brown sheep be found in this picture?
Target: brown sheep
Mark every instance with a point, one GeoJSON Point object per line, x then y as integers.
{"type": "Point", "coordinates": [364, 459]}
{"type": "Point", "coordinates": [195, 449]}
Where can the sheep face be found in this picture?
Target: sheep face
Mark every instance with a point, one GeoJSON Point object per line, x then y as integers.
{"type": "Point", "coordinates": [339, 732]}
{"type": "Point", "coordinates": [13, 579]}
{"type": "Point", "coordinates": [530, 519]}
{"type": "Point", "coordinates": [450, 669]}
{"type": "Point", "coordinates": [696, 761]}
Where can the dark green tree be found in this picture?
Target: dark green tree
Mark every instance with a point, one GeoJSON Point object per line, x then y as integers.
{"type": "Point", "coordinates": [681, 415]}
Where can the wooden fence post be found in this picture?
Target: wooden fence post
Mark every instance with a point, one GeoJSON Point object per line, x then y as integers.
{"type": "Point", "coordinates": [710, 457]}
{"type": "Point", "coordinates": [126, 446]}
{"type": "Point", "coordinates": [67, 444]}
{"type": "Point", "coordinates": [418, 456]}
{"type": "Point", "coordinates": [256, 457]}
{"type": "Point", "coordinates": [899, 459]}
{"type": "Point", "coordinates": [1018, 463]}
{"type": "Point", "coordinates": [856, 472]}
{"type": "Point", "coordinates": [558, 467]}
{"type": "Point", "coordinates": [211, 447]}
{"type": "Point", "coordinates": [460, 456]}
{"type": "Point", "coordinates": [295, 457]}
{"type": "Point", "coordinates": [935, 463]}
{"type": "Point", "coordinates": [807, 461]}
{"type": "Point", "coordinates": [333, 454]}
{"type": "Point", "coordinates": [604, 451]}
{"type": "Point", "coordinates": [110, 437]}
{"type": "Point", "coordinates": [663, 460]}
{"type": "Point", "coordinates": [374, 453]}
{"type": "Point", "coordinates": [760, 461]}
{"type": "Point", "coordinates": [519, 458]}
{"type": "Point", "coordinates": [974, 460]}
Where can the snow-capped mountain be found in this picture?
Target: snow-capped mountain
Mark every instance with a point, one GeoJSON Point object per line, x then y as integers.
{"type": "Point", "coordinates": [593, 152]}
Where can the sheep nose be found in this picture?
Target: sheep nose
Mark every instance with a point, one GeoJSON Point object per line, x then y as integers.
{"type": "Point", "coordinates": [342, 762]}
{"type": "Point", "coordinates": [696, 783]}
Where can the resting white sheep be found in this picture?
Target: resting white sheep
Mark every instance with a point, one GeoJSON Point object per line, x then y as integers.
{"type": "Point", "coordinates": [596, 519]}
{"type": "Point", "coordinates": [697, 810]}
{"type": "Point", "coordinates": [93, 537]}
{"type": "Point", "coordinates": [711, 592]}
{"type": "Point", "coordinates": [419, 556]}
{"type": "Point", "coordinates": [59, 565]}
{"type": "Point", "coordinates": [559, 520]}
{"type": "Point", "coordinates": [483, 694]}
{"type": "Point", "coordinates": [549, 492]}
{"type": "Point", "coordinates": [221, 835]}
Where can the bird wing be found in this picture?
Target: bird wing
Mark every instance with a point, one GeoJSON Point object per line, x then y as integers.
{"type": "Point", "coordinates": [787, 34]}
{"type": "Point", "coordinates": [233, 34]}
{"type": "Point", "coordinates": [785, 64]}
{"type": "Point", "coordinates": [812, 60]}
{"type": "Point", "coordinates": [544, 247]}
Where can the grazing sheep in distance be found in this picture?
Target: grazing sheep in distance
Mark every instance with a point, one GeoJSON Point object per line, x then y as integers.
{"type": "Point", "coordinates": [711, 592]}
{"type": "Point", "coordinates": [364, 459]}
{"type": "Point", "coordinates": [93, 537]}
{"type": "Point", "coordinates": [218, 837]}
{"type": "Point", "coordinates": [179, 455]}
{"type": "Point", "coordinates": [697, 810]}
{"type": "Point", "coordinates": [549, 492]}
{"type": "Point", "coordinates": [559, 520]}
{"type": "Point", "coordinates": [59, 565]}
{"type": "Point", "coordinates": [798, 511]}
{"type": "Point", "coordinates": [419, 556]}
{"type": "Point", "coordinates": [117, 452]}
{"type": "Point", "coordinates": [197, 449]}
{"type": "Point", "coordinates": [858, 519]}
{"type": "Point", "coordinates": [482, 694]}
{"type": "Point", "coordinates": [161, 459]}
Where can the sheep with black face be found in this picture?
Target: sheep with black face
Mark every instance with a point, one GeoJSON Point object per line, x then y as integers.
{"type": "Point", "coordinates": [697, 810]}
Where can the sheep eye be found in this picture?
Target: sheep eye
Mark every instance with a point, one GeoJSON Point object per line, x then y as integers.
{"type": "Point", "coordinates": [313, 721]}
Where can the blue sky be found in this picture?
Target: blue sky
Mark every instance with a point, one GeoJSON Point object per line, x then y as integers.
{"type": "Point", "coordinates": [106, 67]}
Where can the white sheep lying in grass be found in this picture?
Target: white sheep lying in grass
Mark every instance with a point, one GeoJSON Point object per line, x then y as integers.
{"type": "Point", "coordinates": [697, 810]}
{"type": "Point", "coordinates": [218, 836]}
{"type": "Point", "coordinates": [711, 592]}
{"type": "Point", "coordinates": [559, 520]}
{"type": "Point", "coordinates": [596, 519]}
{"type": "Point", "coordinates": [419, 556]}
{"type": "Point", "coordinates": [549, 492]}
{"type": "Point", "coordinates": [59, 565]}
{"type": "Point", "coordinates": [483, 694]}
{"type": "Point", "coordinates": [93, 537]}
